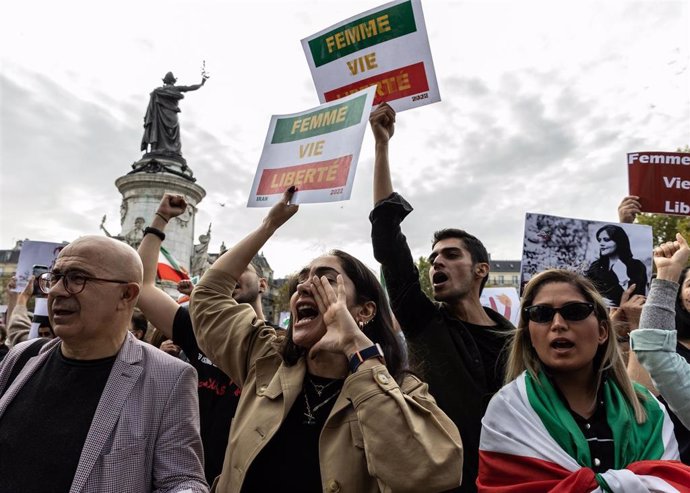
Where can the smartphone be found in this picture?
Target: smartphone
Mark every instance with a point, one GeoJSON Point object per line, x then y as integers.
{"type": "Point", "coordinates": [36, 271]}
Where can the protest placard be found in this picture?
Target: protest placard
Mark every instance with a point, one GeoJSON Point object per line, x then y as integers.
{"type": "Point", "coordinates": [613, 256]}
{"type": "Point", "coordinates": [504, 301]}
{"type": "Point", "coordinates": [386, 47]}
{"type": "Point", "coordinates": [661, 180]}
{"type": "Point", "coordinates": [316, 150]}
{"type": "Point", "coordinates": [33, 253]}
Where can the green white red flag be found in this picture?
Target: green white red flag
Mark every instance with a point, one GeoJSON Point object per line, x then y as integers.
{"type": "Point", "coordinates": [168, 268]}
{"type": "Point", "coordinates": [530, 443]}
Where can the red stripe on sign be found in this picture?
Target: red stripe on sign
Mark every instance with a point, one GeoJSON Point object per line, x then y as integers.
{"type": "Point", "coordinates": [313, 176]}
{"type": "Point", "coordinates": [396, 84]}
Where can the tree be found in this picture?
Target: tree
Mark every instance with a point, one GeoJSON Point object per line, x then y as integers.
{"type": "Point", "coordinates": [423, 265]}
{"type": "Point", "coordinates": [664, 227]}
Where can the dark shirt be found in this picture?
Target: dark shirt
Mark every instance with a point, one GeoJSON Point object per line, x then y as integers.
{"type": "Point", "coordinates": [289, 462]}
{"type": "Point", "coordinates": [43, 429]}
{"type": "Point", "coordinates": [462, 363]}
{"type": "Point", "coordinates": [599, 436]}
{"type": "Point", "coordinates": [607, 283]}
{"type": "Point", "coordinates": [3, 351]}
{"type": "Point", "coordinates": [218, 396]}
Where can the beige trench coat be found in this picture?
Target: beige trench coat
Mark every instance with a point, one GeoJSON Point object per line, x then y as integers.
{"type": "Point", "coordinates": [378, 436]}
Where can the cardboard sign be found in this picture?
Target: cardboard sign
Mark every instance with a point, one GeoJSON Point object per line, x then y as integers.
{"type": "Point", "coordinates": [35, 253]}
{"type": "Point", "coordinates": [386, 47]}
{"type": "Point", "coordinates": [613, 256]}
{"type": "Point", "coordinates": [504, 301]}
{"type": "Point", "coordinates": [661, 180]}
{"type": "Point", "coordinates": [316, 150]}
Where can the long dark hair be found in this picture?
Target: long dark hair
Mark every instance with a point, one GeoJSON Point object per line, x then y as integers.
{"type": "Point", "coordinates": [379, 329]}
{"type": "Point", "coordinates": [620, 238]}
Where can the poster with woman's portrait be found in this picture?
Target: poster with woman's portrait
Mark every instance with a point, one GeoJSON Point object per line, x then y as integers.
{"type": "Point", "coordinates": [613, 256]}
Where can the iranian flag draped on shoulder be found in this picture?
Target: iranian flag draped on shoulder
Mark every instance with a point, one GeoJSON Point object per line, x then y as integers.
{"type": "Point", "coordinates": [530, 443]}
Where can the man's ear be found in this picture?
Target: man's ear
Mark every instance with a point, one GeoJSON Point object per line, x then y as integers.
{"type": "Point", "coordinates": [481, 269]}
{"type": "Point", "coordinates": [130, 292]}
{"type": "Point", "coordinates": [263, 285]}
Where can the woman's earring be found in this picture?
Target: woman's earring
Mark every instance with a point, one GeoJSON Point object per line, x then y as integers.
{"type": "Point", "coordinates": [361, 325]}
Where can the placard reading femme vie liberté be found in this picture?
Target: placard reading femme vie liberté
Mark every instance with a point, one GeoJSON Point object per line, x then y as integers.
{"type": "Point", "coordinates": [316, 150]}
{"type": "Point", "coordinates": [661, 180]}
{"type": "Point", "coordinates": [386, 47]}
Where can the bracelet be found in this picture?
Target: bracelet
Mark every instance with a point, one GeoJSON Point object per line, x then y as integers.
{"type": "Point", "coordinates": [162, 217]}
{"type": "Point", "coordinates": [155, 232]}
{"type": "Point", "coordinates": [360, 357]}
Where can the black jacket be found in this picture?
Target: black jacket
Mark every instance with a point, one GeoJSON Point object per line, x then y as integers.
{"type": "Point", "coordinates": [462, 364]}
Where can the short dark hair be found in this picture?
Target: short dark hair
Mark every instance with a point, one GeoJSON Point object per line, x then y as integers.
{"type": "Point", "coordinates": [380, 329]}
{"type": "Point", "coordinates": [473, 245]}
{"type": "Point", "coordinates": [139, 321]}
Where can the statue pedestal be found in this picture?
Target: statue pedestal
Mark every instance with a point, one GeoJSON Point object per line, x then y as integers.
{"type": "Point", "coordinates": [142, 190]}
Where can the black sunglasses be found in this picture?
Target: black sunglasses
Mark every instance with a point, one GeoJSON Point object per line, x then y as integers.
{"type": "Point", "coordinates": [572, 312]}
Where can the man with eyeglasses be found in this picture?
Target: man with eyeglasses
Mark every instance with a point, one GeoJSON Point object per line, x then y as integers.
{"type": "Point", "coordinates": [457, 341]}
{"type": "Point", "coordinates": [106, 411]}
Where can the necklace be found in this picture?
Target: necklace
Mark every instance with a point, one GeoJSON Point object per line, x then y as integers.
{"type": "Point", "coordinates": [320, 388]}
{"type": "Point", "coordinates": [310, 414]}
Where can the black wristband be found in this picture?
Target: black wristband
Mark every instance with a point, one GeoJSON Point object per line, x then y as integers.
{"type": "Point", "coordinates": [154, 231]}
{"type": "Point", "coordinates": [360, 357]}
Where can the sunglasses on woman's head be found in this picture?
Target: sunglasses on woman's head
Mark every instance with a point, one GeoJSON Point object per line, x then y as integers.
{"type": "Point", "coordinates": [572, 312]}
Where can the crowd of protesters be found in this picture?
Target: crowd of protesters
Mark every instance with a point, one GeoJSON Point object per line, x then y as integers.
{"type": "Point", "coordinates": [572, 399]}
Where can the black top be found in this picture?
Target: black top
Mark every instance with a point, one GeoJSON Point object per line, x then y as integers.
{"type": "Point", "coordinates": [606, 281]}
{"type": "Point", "coordinates": [462, 363]}
{"type": "Point", "coordinates": [3, 351]}
{"type": "Point", "coordinates": [218, 396]}
{"type": "Point", "coordinates": [599, 436]}
{"type": "Point", "coordinates": [289, 462]}
{"type": "Point", "coordinates": [44, 427]}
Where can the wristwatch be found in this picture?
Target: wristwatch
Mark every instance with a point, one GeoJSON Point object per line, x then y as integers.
{"type": "Point", "coordinates": [360, 357]}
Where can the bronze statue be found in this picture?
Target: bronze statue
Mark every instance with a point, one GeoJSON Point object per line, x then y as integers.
{"type": "Point", "coordinates": [161, 127]}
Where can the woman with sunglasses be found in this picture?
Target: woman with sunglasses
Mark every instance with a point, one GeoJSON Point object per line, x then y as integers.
{"type": "Point", "coordinates": [569, 418]}
{"type": "Point", "coordinates": [328, 406]}
{"type": "Point", "coordinates": [655, 343]}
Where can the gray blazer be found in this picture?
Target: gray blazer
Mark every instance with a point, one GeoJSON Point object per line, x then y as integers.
{"type": "Point", "coordinates": [144, 436]}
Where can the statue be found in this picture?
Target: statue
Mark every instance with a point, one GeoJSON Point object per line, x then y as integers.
{"type": "Point", "coordinates": [136, 234]}
{"type": "Point", "coordinates": [200, 256]}
{"type": "Point", "coordinates": [161, 126]}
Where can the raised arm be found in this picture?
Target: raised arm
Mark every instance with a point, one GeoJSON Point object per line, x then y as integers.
{"type": "Point", "coordinates": [655, 342]}
{"type": "Point", "coordinates": [193, 87]}
{"type": "Point", "coordinates": [19, 322]}
{"type": "Point", "coordinates": [157, 306]}
{"type": "Point", "coordinates": [238, 258]}
{"type": "Point", "coordinates": [225, 330]}
{"type": "Point", "coordinates": [382, 121]}
{"type": "Point", "coordinates": [629, 208]}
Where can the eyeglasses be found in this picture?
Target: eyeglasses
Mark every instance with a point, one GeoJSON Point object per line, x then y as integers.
{"type": "Point", "coordinates": [572, 312]}
{"type": "Point", "coordinates": [73, 281]}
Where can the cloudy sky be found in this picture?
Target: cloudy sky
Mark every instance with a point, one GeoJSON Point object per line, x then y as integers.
{"type": "Point", "coordinates": [541, 101]}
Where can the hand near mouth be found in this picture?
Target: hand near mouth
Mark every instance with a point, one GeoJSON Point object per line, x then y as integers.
{"type": "Point", "coordinates": [342, 333]}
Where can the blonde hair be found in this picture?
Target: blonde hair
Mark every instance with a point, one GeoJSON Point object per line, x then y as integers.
{"type": "Point", "coordinates": [522, 356]}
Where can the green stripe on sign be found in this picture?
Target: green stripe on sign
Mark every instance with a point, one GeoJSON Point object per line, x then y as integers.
{"type": "Point", "coordinates": [319, 122]}
{"type": "Point", "coordinates": [362, 33]}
